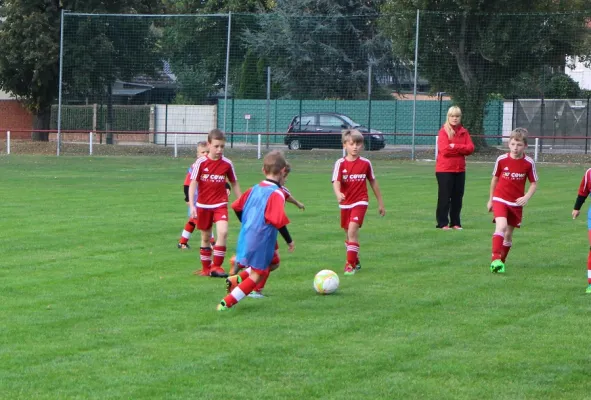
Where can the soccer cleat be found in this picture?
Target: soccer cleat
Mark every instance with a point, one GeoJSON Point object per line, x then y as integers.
{"type": "Point", "coordinates": [222, 307]}
{"type": "Point", "coordinates": [201, 272]}
{"type": "Point", "coordinates": [256, 294]}
{"type": "Point", "coordinates": [588, 289]}
{"type": "Point", "coordinates": [357, 265]}
{"type": "Point", "coordinates": [232, 282]}
{"type": "Point", "coordinates": [183, 246]}
{"type": "Point", "coordinates": [217, 272]}
{"type": "Point", "coordinates": [445, 228]}
{"type": "Point", "coordinates": [349, 270]}
{"type": "Point", "coordinates": [457, 227]}
{"type": "Point", "coordinates": [497, 266]}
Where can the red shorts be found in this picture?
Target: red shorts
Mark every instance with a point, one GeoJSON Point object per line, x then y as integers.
{"type": "Point", "coordinates": [206, 217]}
{"type": "Point", "coordinates": [355, 214]}
{"type": "Point", "coordinates": [513, 214]}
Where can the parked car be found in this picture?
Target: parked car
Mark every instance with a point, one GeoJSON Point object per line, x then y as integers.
{"type": "Point", "coordinates": [323, 130]}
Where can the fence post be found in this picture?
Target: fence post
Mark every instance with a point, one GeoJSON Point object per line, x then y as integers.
{"type": "Point", "coordinates": [414, 103]}
{"type": "Point", "coordinates": [90, 143]}
{"type": "Point", "coordinates": [175, 146]}
{"type": "Point", "coordinates": [536, 149]}
{"type": "Point", "coordinates": [542, 114]}
{"type": "Point", "coordinates": [227, 69]}
{"type": "Point", "coordinates": [587, 127]}
{"type": "Point", "coordinates": [7, 142]}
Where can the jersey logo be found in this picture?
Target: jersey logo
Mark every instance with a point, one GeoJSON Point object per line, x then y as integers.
{"type": "Point", "coordinates": [345, 177]}
{"type": "Point", "coordinates": [356, 219]}
{"type": "Point", "coordinates": [506, 169]}
{"type": "Point", "coordinates": [206, 169]}
{"type": "Point", "coordinates": [344, 171]}
{"type": "Point", "coordinates": [224, 217]}
{"type": "Point", "coordinates": [204, 176]}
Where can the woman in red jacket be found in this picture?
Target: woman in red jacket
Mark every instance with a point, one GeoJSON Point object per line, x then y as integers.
{"type": "Point", "coordinates": [453, 145]}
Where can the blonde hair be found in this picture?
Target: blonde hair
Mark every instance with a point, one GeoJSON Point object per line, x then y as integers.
{"type": "Point", "coordinates": [453, 110]}
{"type": "Point", "coordinates": [274, 162]}
{"type": "Point", "coordinates": [215, 134]}
{"type": "Point", "coordinates": [352, 134]}
{"type": "Point", "coordinates": [202, 143]}
{"type": "Point", "coordinates": [519, 134]}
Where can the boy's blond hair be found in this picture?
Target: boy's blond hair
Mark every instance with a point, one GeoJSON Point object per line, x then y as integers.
{"type": "Point", "coordinates": [287, 169]}
{"type": "Point", "coordinates": [202, 143]}
{"type": "Point", "coordinates": [352, 134]}
{"type": "Point", "coordinates": [274, 162]}
{"type": "Point", "coordinates": [519, 134]}
{"type": "Point", "coordinates": [215, 134]}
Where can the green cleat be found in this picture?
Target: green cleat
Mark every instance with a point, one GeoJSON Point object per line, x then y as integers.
{"type": "Point", "coordinates": [588, 289]}
{"type": "Point", "coordinates": [349, 270]}
{"type": "Point", "coordinates": [222, 307]}
{"type": "Point", "coordinates": [497, 266]}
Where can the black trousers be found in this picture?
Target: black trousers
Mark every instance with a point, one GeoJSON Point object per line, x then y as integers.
{"type": "Point", "coordinates": [449, 199]}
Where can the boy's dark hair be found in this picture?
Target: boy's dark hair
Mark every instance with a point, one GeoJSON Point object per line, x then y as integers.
{"type": "Point", "coordinates": [352, 134]}
{"type": "Point", "coordinates": [274, 162]}
{"type": "Point", "coordinates": [215, 134]}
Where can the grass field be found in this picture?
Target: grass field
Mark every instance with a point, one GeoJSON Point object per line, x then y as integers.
{"type": "Point", "coordinates": [96, 301]}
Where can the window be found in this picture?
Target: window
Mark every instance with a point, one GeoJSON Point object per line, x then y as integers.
{"type": "Point", "coordinates": [330, 120]}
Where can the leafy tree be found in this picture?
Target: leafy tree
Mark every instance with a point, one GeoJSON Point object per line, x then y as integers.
{"type": "Point", "coordinates": [472, 49]}
{"type": "Point", "coordinates": [321, 48]}
{"type": "Point", "coordinates": [29, 51]}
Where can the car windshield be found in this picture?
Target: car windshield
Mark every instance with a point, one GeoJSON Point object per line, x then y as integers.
{"type": "Point", "coordinates": [349, 121]}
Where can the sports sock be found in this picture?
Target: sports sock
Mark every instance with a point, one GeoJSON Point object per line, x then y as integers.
{"type": "Point", "coordinates": [264, 277]}
{"type": "Point", "coordinates": [187, 231]}
{"type": "Point", "coordinates": [205, 255]}
{"type": "Point", "coordinates": [352, 253]}
{"type": "Point", "coordinates": [239, 292]}
{"type": "Point", "coordinates": [245, 273]}
{"type": "Point", "coordinates": [505, 250]}
{"type": "Point", "coordinates": [497, 245]}
{"type": "Point", "coordinates": [219, 253]}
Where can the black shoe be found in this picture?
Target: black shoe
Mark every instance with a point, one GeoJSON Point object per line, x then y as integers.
{"type": "Point", "coordinates": [183, 246]}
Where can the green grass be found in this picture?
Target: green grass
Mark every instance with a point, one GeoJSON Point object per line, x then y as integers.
{"type": "Point", "coordinates": [96, 301]}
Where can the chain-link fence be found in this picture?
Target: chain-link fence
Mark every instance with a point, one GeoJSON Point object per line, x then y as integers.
{"type": "Point", "coordinates": [299, 80]}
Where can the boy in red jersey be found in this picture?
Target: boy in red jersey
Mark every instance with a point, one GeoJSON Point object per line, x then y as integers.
{"type": "Point", "coordinates": [349, 183]}
{"type": "Point", "coordinates": [190, 225]}
{"type": "Point", "coordinates": [584, 191]}
{"type": "Point", "coordinates": [211, 205]}
{"type": "Point", "coordinates": [507, 195]}
{"type": "Point", "coordinates": [238, 271]}
{"type": "Point", "coordinates": [261, 209]}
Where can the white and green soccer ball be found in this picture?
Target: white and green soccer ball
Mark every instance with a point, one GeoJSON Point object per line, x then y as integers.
{"type": "Point", "coordinates": [326, 282]}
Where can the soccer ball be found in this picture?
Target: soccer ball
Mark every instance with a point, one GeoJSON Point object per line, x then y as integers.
{"type": "Point", "coordinates": [326, 282]}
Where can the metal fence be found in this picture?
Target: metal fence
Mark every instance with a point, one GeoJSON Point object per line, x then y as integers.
{"type": "Point", "coordinates": [280, 74]}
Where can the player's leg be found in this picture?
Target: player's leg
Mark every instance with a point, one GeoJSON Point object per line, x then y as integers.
{"type": "Point", "coordinates": [501, 213]}
{"type": "Point", "coordinates": [219, 250]}
{"type": "Point", "coordinates": [204, 224]}
{"type": "Point", "coordinates": [507, 242]}
{"type": "Point", "coordinates": [186, 234]}
{"type": "Point", "coordinates": [257, 293]}
{"type": "Point", "coordinates": [444, 186]}
{"type": "Point", "coordinates": [242, 290]}
{"type": "Point", "coordinates": [457, 196]}
{"type": "Point", "coordinates": [352, 248]}
{"type": "Point", "coordinates": [588, 290]}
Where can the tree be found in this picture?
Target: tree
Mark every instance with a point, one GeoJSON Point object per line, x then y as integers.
{"type": "Point", "coordinates": [473, 49]}
{"type": "Point", "coordinates": [29, 49]}
{"type": "Point", "coordinates": [321, 48]}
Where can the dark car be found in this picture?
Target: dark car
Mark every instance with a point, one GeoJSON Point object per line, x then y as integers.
{"type": "Point", "coordinates": [323, 130]}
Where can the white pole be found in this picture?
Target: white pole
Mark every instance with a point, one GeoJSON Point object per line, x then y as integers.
{"type": "Point", "coordinates": [259, 147]}
{"type": "Point", "coordinates": [7, 142]}
{"type": "Point", "coordinates": [436, 148]}
{"type": "Point", "coordinates": [246, 137]}
{"type": "Point", "coordinates": [537, 149]}
{"type": "Point", "coordinates": [227, 70]}
{"type": "Point", "coordinates": [59, 100]}
{"type": "Point", "coordinates": [176, 147]}
{"type": "Point", "coordinates": [90, 143]}
{"type": "Point", "coordinates": [414, 101]}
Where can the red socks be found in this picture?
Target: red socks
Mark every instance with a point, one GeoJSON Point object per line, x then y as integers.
{"type": "Point", "coordinates": [219, 253]}
{"type": "Point", "coordinates": [497, 246]}
{"type": "Point", "coordinates": [205, 255]}
{"type": "Point", "coordinates": [239, 292]}
{"type": "Point", "coordinates": [352, 253]}
{"type": "Point", "coordinates": [505, 250]}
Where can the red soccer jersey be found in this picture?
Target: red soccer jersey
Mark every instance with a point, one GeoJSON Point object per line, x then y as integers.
{"type": "Point", "coordinates": [211, 178]}
{"type": "Point", "coordinates": [353, 176]}
{"type": "Point", "coordinates": [512, 174]}
{"type": "Point", "coordinates": [286, 192]}
{"type": "Point", "coordinates": [275, 209]}
{"type": "Point", "coordinates": [585, 186]}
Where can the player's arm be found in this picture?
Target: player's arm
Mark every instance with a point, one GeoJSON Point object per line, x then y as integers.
{"type": "Point", "coordinates": [533, 186]}
{"type": "Point", "coordinates": [238, 204]}
{"type": "Point", "coordinates": [236, 188]}
{"type": "Point", "coordinates": [192, 198]}
{"type": "Point", "coordinates": [336, 186]}
{"type": "Point", "coordinates": [493, 185]}
{"type": "Point", "coordinates": [582, 194]}
{"type": "Point", "coordinates": [228, 189]}
{"type": "Point", "coordinates": [294, 201]}
{"type": "Point", "coordinates": [186, 190]}
{"type": "Point", "coordinates": [378, 193]}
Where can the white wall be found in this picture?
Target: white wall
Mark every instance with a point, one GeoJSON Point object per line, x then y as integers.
{"type": "Point", "coordinates": [580, 74]}
{"type": "Point", "coordinates": [183, 118]}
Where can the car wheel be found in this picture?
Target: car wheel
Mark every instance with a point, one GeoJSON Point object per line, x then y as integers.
{"type": "Point", "coordinates": [295, 144]}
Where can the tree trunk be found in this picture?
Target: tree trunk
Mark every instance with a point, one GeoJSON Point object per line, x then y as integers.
{"type": "Point", "coordinates": [473, 103]}
{"type": "Point", "coordinates": [41, 122]}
